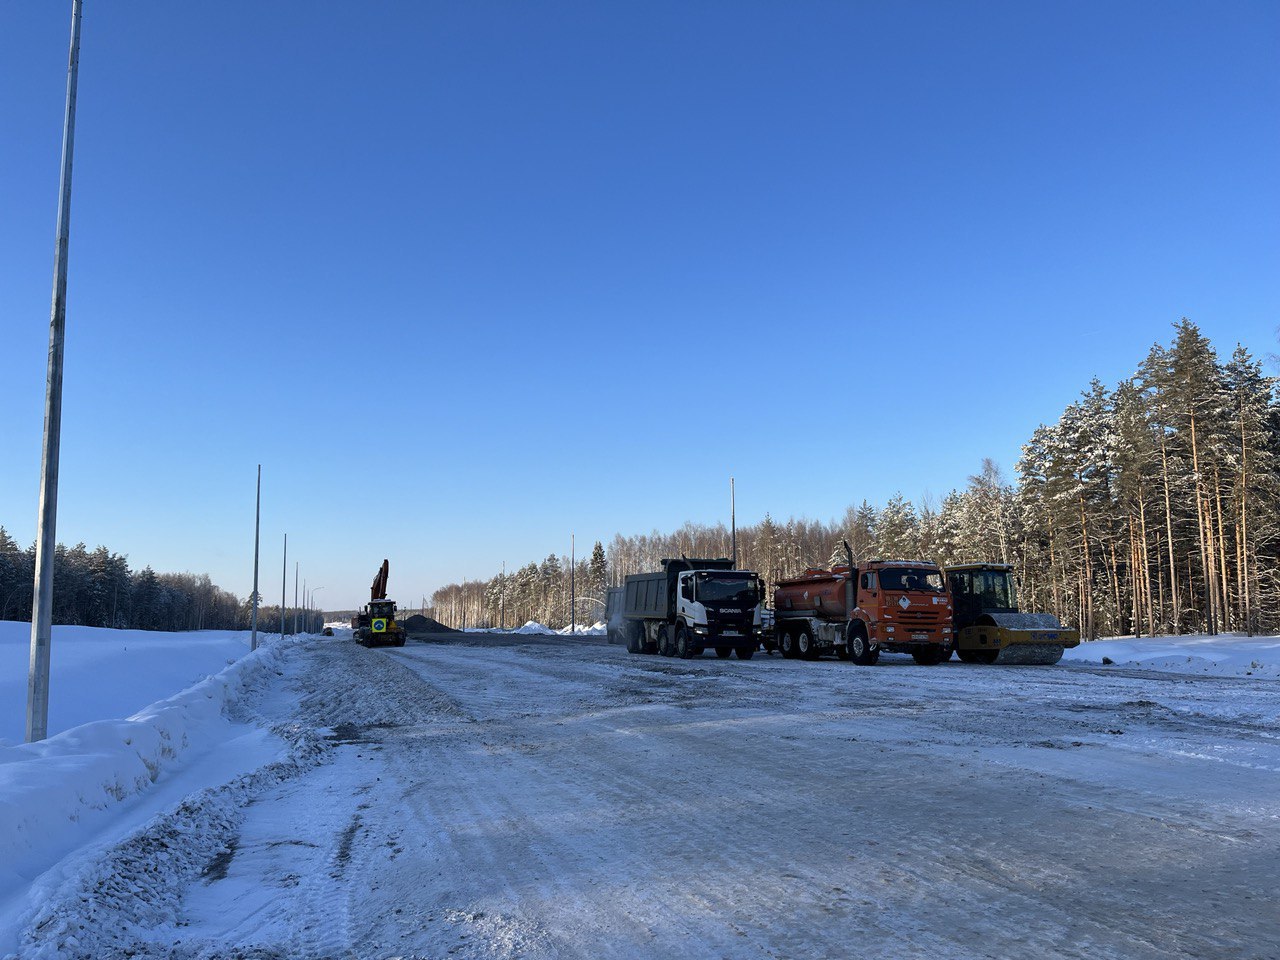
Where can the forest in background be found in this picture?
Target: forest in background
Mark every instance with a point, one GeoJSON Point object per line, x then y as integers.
{"type": "Point", "coordinates": [96, 588]}
{"type": "Point", "coordinates": [1149, 508]}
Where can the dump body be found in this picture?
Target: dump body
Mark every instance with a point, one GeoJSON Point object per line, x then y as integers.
{"type": "Point", "coordinates": [989, 626]}
{"type": "Point", "coordinates": [858, 610]}
{"type": "Point", "coordinates": [692, 604]}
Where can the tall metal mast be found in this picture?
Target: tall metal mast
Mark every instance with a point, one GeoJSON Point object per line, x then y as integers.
{"type": "Point", "coordinates": [257, 522]}
{"type": "Point", "coordinates": [46, 532]}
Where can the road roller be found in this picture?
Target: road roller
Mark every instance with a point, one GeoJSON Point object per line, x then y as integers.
{"type": "Point", "coordinates": [989, 627]}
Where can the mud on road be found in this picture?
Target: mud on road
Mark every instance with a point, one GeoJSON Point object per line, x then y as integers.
{"type": "Point", "coordinates": [490, 796]}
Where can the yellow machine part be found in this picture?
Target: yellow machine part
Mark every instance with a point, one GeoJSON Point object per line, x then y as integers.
{"type": "Point", "coordinates": [1019, 638]}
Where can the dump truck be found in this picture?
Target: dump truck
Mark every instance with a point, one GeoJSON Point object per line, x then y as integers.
{"type": "Point", "coordinates": [690, 605]}
{"type": "Point", "coordinates": [375, 625]}
{"type": "Point", "coordinates": [857, 610]}
{"type": "Point", "coordinates": [989, 626]}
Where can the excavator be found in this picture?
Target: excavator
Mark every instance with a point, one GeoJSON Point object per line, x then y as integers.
{"type": "Point", "coordinates": [988, 626]}
{"type": "Point", "coordinates": [376, 626]}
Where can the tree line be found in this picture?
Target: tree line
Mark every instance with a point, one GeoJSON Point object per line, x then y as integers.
{"type": "Point", "coordinates": [1147, 508]}
{"type": "Point", "coordinates": [96, 588]}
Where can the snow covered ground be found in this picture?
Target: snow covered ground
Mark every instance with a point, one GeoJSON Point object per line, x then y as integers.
{"type": "Point", "coordinates": [1226, 655]}
{"type": "Point", "coordinates": [98, 674]}
{"type": "Point", "coordinates": [523, 797]}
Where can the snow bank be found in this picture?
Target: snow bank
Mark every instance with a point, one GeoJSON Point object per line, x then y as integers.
{"type": "Point", "coordinates": [532, 626]}
{"type": "Point", "coordinates": [96, 674]}
{"type": "Point", "coordinates": [1226, 655]}
{"type": "Point", "coordinates": [47, 788]}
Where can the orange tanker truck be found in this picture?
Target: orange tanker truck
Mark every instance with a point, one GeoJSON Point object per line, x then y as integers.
{"type": "Point", "coordinates": [857, 610]}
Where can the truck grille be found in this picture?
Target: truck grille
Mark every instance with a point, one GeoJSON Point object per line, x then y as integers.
{"type": "Point", "coordinates": [919, 618]}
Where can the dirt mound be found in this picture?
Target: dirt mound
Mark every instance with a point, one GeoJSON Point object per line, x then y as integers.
{"type": "Point", "coordinates": [420, 624]}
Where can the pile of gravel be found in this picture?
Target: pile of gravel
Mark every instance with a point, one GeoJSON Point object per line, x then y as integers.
{"type": "Point", "coordinates": [420, 624]}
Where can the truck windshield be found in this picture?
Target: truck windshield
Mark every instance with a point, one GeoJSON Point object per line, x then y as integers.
{"type": "Point", "coordinates": [911, 578]}
{"type": "Point", "coordinates": [727, 590]}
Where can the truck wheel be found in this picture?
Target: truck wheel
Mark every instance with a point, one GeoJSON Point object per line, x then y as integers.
{"type": "Point", "coordinates": [860, 650]}
{"type": "Point", "coordinates": [665, 646]}
{"type": "Point", "coordinates": [805, 646]}
{"type": "Point", "coordinates": [686, 649]}
{"type": "Point", "coordinates": [635, 639]}
{"type": "Point", "coordinates": [724, 652]}
{"type": "Point", "coordinates": [843, 652]}
{"type": "Point", "coordinates": [787, 644]}
{"type": "Point", "coordinates": [744, 652]}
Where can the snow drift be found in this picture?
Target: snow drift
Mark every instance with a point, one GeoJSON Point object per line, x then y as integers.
{"type": "Point", "coordinates": [1226, 655]}
{"type": "Point", "coordinates": [48, 788]}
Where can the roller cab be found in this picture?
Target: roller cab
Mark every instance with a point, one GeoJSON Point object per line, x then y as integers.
{"type": "Point", "coordinates": [989, 626]}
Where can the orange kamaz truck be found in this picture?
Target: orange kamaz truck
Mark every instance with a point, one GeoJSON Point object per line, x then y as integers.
{"type": "Point", "coordinates": [857, 610]}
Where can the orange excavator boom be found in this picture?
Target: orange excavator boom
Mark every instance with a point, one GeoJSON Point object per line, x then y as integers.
{"type": "Point", "coordinates": [379, 589]}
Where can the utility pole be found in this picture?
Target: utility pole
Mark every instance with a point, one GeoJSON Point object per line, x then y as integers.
{"type": "Point", "coordinates": [257, 524]}
{"type": "Point", "coordinates": [573, 592]}
{"type": "Point", "coordinates": [306, 608]}
{"type": "Point", "coordinates": [284, 583]}
{"type": "Point", "coordinates": [733, 522]}
{"type": "Point", "coordinates": [46, 529]}
{"type": "Point", "coordinates": [295, 596]}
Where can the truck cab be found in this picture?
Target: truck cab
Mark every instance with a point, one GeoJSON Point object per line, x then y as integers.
{"type": "Point", "coordinates": [904, 607]}
{"type": "Point", "coordinates": [720, 607]}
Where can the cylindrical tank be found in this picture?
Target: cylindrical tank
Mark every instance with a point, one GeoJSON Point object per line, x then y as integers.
{"type": "Point", "coordinates": [819, 593]}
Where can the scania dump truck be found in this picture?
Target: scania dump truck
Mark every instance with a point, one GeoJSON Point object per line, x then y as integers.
{"type": "Point", "coordinates": [691, 605]}
{"type": "Point", "coordinates": [858, 610]}
{"type": "Point", "coordinates": [375, 625]}
{"type": "Point", "coordinates": [989, 626]}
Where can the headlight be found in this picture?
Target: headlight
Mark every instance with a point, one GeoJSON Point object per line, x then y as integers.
{"type": "Point", "coordinates": [888, 629]}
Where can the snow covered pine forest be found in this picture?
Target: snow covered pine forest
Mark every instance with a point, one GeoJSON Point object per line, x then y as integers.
{"type": "Point", "coordinates": [1149, 508]}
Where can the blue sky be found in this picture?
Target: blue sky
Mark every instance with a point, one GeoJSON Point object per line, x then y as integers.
{"type": "Point", "coordinates": [461, 275]}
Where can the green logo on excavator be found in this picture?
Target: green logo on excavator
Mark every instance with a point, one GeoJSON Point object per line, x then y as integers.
{"type": "Point", "coordinates": [379, 625]}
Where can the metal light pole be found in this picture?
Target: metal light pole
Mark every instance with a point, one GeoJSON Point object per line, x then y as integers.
{"type": "Point", "coordinates": [314, 591]}
{"type": "Point", "coordinates": [257, 524]}
{"type": "Point", "coordinates": [284, 583]}
{"type": "Point", "coordinates": [46, 535]}
{"type": "Point", "coordinates": [733, 522]}
{"type": "Point", "coordinates": [295, 596]}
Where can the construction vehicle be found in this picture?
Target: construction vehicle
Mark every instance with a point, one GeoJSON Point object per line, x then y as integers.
{"type": "Point", "coordinates": [691, 605]}
{"type": "Point", "coordinates": [375, 625]}
{"type": "Point", "coordinates": [858, 610]}
{"type": "Point", "coordinates": [989, 626]}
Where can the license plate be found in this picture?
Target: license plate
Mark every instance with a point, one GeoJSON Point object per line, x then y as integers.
{"type": "Point", "coordinates": [919, 636]}
{"type": "Point", "coordinates": [729, 633]}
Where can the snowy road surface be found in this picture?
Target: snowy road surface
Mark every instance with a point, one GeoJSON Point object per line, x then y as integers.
{"type": "Point", "coordinates": [560, 798]}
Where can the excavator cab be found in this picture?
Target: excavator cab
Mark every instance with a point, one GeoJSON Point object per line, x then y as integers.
{"type": "Point", "coordinates": [382, 614]}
